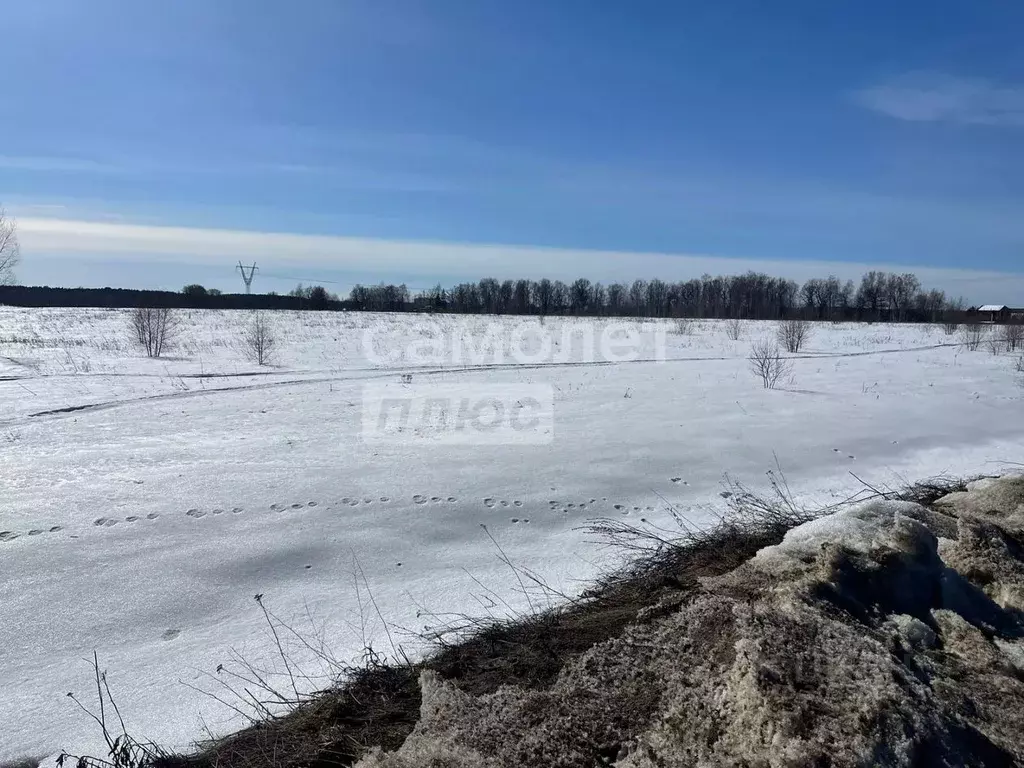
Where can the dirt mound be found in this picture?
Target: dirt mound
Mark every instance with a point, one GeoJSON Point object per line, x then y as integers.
{"type": "Point", "coordinates": [886, 634]}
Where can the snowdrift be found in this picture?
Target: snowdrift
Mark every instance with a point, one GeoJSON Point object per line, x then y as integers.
{"type": "Point", "coordinates": [886, 634]}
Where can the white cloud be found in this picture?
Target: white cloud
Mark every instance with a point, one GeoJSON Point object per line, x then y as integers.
{"type": "Point", "coordinates": [423, 262]}
{"type": "Point", "coordinates": [934, 97]}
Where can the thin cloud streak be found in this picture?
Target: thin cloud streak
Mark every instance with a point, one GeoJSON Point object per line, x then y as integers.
{"type": "Point", "coordinates": [939, 98]}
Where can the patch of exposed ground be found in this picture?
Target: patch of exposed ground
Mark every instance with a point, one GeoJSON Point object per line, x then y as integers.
{"type": "Point", "coordinates": [889, 633]}
{"type": "Point", "coordinates": [886, 634]}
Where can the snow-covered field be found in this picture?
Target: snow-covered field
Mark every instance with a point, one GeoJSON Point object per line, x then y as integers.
{"type": "Point", "coordinates": [143, 503]}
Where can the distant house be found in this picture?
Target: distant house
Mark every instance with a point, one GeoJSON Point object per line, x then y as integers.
{"type": "Point", "coordinates": [998, 313]}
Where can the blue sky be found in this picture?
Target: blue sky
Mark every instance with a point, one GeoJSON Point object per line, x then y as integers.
{"type": "Point", "coordinates": [142, 144]}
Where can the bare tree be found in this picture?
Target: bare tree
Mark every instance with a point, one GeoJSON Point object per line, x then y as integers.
{"type": "Point", "coordinates": [1013, 335]}
{"type": "Point", "coordinates": [154, 328]}
{"type": "Point", "coordinates": [10, 252]}
{"type": "Point", "coordinates": [972, 335]}
{"type": "Point", "coordinates": [792, 334]}
{"type": "Point", "coordinates": [258, 339]}
{"type": "Point", "coordinates": [734, 329]}
{"type": "Point", "coordinates": [767, 363]}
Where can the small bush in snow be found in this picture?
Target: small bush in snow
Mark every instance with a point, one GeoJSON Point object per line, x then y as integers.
{"type": "Point", "coordinates": [972, 336]}
{"type": "Point", "coordinates": [154, 328]}
{"type": "Point", "coordinates": [1013, 335]}
{"type": "Point", "coordinates": [768, 364]}
{"type": "Point", "coordinates": [950, 328]}
{"type": "Point", "coordinates": [734, 329]}
{"type": "Point", "coordinates": [792, 334]}
{"type": "Point", "coordinates": [684, 326]}
{"type": "Point", "coordinates": [258, 340]}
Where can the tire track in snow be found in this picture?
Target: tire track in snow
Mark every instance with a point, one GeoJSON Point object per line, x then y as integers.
{"type": "Point", "coordinates": [56, 413]}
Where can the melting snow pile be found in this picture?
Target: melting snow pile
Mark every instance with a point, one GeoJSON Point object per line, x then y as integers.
{"type": "Point", "coordinates": [887, 634]}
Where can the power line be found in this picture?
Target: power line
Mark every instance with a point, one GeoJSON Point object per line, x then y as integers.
{"type": "Point", "coordinates": [247, 277]}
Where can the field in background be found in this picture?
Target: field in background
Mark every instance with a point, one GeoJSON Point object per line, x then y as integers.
{"type": "Point", "coordinates": [143, 502]}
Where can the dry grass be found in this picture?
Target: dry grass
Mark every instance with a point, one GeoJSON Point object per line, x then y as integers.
{"type": "Point", "coordinates": [377, 704]}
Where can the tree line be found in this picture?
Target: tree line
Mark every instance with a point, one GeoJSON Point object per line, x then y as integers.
{"type": "Point", "coordinates": [754, 295]}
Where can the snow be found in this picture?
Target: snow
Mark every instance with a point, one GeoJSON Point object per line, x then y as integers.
{"type": "Point", "coordinates": [182, 487]}
{"type": "Point", "coordinates": [863, 528]}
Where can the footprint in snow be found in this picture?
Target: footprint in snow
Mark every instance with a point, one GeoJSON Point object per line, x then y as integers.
{"type": "Point", "coordinates": [384, 499]}
{"type": "Point", "coordinates": [56, 528]}
{"type": "Point", "coordinates": [310, 503]}
{"type": "Point", "coordinates": [677, 480]}
{"type": "Point", "coordinates": [489, 503]}
{"type": "Point", "coordinates": [517, 503]}
{"type": "Point", "coordinates": [131, 519]}
{"type": "Point", "coordinates": [452, 500]}
{"type": "Point", "coordinates": [196, 513]}
{"type": "Point", "coordinates": [34, 532]}
{"type": "Point", "coordinates": [218, 511]}
{"type": "Point", "coordinates": [8, 535]}
{"type": "Point", "coordinates": [419, 499]}
{"type": "Point", "coordinates": [296, 506]}
{"type": "Point", "coordinates": [619, 507]}
{"type": "Point", "coordinates": [236, 510]}
{"type": "Point", "coordinates": [170, 634]}
{"type": "Point", "coordinates": [152, 516]}
{"type": "Point", "coordinates": [104, 522]}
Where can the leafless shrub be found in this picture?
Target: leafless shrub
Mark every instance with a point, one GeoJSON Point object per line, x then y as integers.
{"type": "Point", "coordinates": [734, 329]}
{"type": "Point", "coordinates": [792, 334]}
{"type": "Point", "coordinates": [972, 336]}
{"type": "Point", "coordinates": [154, 329]}
{"type": "Point", "coordinates": [684, 326]}
{"type": "Point", "coordinates": [123, 749]}
{"type": "Point", "coordinates": [258, 339]}
{"type": "Point", "coordinates": [767, 363]}
{"type": "Point", "coordinates": [950, 327]}
{"type": "Point", "coordinates": [1020, 364]}
{"type": "Point", "coordinates": [1013, 335]}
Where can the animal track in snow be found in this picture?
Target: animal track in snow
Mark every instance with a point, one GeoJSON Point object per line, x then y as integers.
{"type": "Point", "coordinates": [491, 503]}
{"type": "Point", "coordinates": [196, 513]}
{"type": "Point", "coordinates": [170, 634]}
{"type": "Point", "coordinates": [8, 535]}
{"type": "Point", "coordinates": [420, 498]}
{"type": "Point", "coordinates": [34, 532]}
{"type": "Point", "coordinates": [104, 522]}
